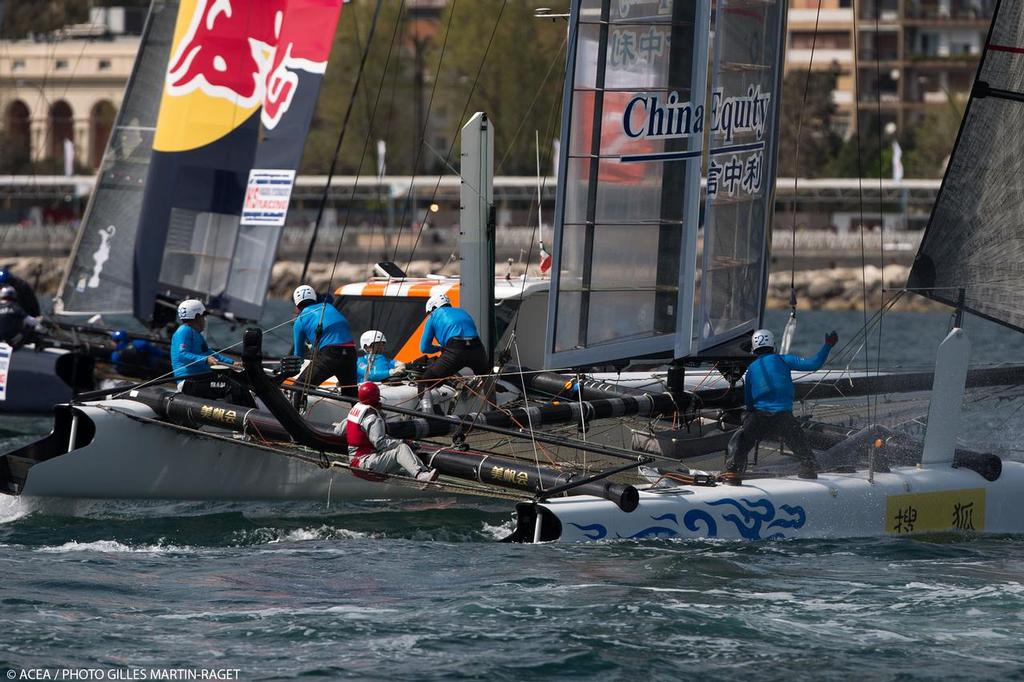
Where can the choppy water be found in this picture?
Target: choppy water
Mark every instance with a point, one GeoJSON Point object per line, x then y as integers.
{"type": "Point", "coordinates": [423, 591]}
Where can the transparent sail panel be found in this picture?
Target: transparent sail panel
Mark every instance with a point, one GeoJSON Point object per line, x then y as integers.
{"type": "Point", "coordinates": [974, 242]}
{"type": "Point", "coordinates": [197, 256]}
{"type": "Point", "coordinates": [740, 168]}
{"type": "Point", "coordinates": [628, 204]}
{"type": "Point", "coordinates": [98, 277]}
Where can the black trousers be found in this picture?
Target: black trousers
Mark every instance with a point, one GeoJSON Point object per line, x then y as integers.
{"type": "Point", "coordinates": [216, 386]}
{"type": "Point", "coordinates": [760, 425]}
{"type": "Point", "coordinates": [455, 355]}
{"type": "Point", "coordinates": [336, 361]}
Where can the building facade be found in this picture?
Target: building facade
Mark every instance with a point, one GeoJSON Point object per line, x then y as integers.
{"type": "Point", "coordinates": [909, 55]}
{"type": "Point", "coordinates": [65, 89]}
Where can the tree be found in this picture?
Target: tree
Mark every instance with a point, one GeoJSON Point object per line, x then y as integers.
{"type": "Point", "coordinates": [520, 77]}
{"type": "Point", "coordinates": [382, 107]}
{"type": "Point", "coordinates": [807, 124]}
{"type": "Point", "coordinates": [875, 154]}
{"type": "Point", "coordinates": [23, 18]}
{"type": "Point", "coordinates": [931, 141]}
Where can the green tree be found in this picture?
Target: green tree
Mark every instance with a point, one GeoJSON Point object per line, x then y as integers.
{"type": "Point", "coordinates": [931, 140]}
{"type": "Point", "coordinates": [21, 18]}
{"type": "Point", "coordinates": [875, 154]}
{"type": "Point", "coordinates": [520, 77]}
{"type": "Point", "coordinates": [382, 108]}
{"type": "Point", "coordinates": [807, 123]}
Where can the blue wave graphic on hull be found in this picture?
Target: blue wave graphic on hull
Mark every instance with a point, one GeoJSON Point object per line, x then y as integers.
{"type": "Point", "coordinates": [752, 518]}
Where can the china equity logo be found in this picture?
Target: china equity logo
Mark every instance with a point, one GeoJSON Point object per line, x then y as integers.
{"type": "Point", "coordinates": [648, 116]}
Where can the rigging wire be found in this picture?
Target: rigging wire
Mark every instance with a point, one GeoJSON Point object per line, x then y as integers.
{"type": "Point", "coordinates": [341, 138]}
{"type": "Point", "coordinates": [860, 187]}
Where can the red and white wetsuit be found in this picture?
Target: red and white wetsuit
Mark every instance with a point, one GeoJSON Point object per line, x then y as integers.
{"type": "Point", "coordinates": [371, 449]}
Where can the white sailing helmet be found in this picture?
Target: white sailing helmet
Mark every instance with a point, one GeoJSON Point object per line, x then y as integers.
{"type": "Point", "coordinates": [303, 292]}
{"type": "Point", "coordinates": [371, 337]}
{"type": "Point", "coordinates": [190, 309]}
{"type": "Point", "coordinates": [436, 301]}
{"type": "Point", "coordinates": [762, 338]}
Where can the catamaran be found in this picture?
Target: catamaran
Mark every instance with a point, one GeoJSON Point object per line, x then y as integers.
{"type": "Point", "coordinates": [624, 290]}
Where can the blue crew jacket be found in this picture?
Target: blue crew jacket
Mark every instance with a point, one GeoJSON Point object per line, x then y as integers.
{"type": "Point", "coordinates": [335, 330]}
{"type": "Point", "coordinates": [768, 384]}
{"type": "Point", "coordinates": [445, 324]}
{"type": "Point", "coordinates": [379, 370]}
{"type": "Point", "coordinates": [189, 352]}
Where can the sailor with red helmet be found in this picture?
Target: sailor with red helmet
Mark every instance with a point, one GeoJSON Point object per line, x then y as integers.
{"type": "Point", "coordinates": [369, 446]}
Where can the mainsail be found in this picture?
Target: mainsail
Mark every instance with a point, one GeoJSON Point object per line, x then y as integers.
{"type": "Point", "coordinates": [98, 278]}
{"type": "Point", "coordinates": [744, 111]}
{"type": "Point", "coordinates": [974, 243]}
{"type": "Point", "coordinates": [241, 86]}
{"type": "Point", "coordinates": [629, 181]}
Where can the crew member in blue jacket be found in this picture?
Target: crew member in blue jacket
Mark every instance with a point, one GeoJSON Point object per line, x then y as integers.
{"type": "Point", "coordinates": [768, 396]}
{"type": "Point", "coordinates": [137, 357]}
{"type": "Point", "coordinates": [192, 360]}
{"type": "Point", "coordinates": [457, 340]}
{"type": "Point", "coordinates": [374, 365]}
{"type": "Point", "coordinates": [326, 331]}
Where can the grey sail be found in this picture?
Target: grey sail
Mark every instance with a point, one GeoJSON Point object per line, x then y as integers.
{"type": "Point", "coordinates": [974, 241]}
{"type": "Point", "coordinates": [98, 277]}
{"type": "Point", "coordinates": [744, 110]}
{"type": "Point", "coordinates": [628, 205]}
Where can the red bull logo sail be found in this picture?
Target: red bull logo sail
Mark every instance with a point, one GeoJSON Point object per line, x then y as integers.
{"type": "Point", "coordinates": [231, 57]}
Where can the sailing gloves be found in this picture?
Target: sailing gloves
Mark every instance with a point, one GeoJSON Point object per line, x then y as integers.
{"type": "Point", "coordinates": [832, 338]}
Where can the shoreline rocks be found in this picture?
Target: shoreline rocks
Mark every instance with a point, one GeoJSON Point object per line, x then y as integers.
{"type": "Point", "coordinates": [837, 288]}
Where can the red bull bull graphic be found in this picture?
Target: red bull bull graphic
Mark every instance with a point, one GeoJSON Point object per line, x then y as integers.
{"type": "Point", "coordinates": [241, 86]}
{"type": "Point", "coordinates": [231, 57]}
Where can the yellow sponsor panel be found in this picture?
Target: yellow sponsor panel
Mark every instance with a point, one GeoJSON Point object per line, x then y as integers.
{"type": "Point", "coordinates": [930, 512]}
{"type": "Point", "coordinates": [198, 113]}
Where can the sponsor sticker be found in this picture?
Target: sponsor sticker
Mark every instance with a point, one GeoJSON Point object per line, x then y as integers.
{"type": "Point", "coordinates": [930, 512]}
{"type": "Point", "coordinates": [5, 364]}
{"type": "Point", "coordinates": [267, 196]}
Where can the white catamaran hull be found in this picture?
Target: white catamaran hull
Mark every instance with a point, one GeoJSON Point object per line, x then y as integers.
{"type": "Point", "coordinates": [908, 500]}
{"type": "Point", "coordinates": [131, 457]}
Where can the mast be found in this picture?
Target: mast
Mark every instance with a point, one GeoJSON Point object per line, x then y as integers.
{"type": "Point", "coordinates": [476, 233]}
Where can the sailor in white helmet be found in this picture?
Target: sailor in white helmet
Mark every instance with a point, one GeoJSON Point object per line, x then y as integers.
{"type": "Point", "coordinates": [374, 365]}
{"type": "Point", "coordinates": [192, 359]}
{"type": "Point", "coordinates": [325, 330]}
{"type": "Point", "coordinates": [458, 342]}
{"type": "Point", "coordinates": [768, 396]}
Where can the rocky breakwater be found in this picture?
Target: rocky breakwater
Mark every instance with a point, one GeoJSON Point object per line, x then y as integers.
{"type": "Point", "coordinates": [845, 288]}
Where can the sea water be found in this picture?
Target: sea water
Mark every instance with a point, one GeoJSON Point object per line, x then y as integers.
{"type": "Point", "coordinates": [422, 590]}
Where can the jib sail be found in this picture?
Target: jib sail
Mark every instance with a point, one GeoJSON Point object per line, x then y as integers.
{"type": "Point", "coordinates": [98, 277]}
{"type": "Point", "coordinates": [974, 241]}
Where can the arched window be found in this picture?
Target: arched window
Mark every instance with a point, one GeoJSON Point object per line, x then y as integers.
{"type": "Point", "coordinates": [18, 133]}
{"type": "Point", "coordinates": [62, 127]}
{"type": "Point", "coordinates": [101, 122]}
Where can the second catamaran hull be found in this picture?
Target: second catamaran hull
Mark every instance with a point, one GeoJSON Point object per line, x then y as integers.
{"type": "Point", "coordinates": [127, 456]}
{"type": "Point", "coordinates": [908, 500]}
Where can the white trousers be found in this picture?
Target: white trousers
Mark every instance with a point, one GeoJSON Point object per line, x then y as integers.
{"type": "Point", "coordinates": [393, 460]}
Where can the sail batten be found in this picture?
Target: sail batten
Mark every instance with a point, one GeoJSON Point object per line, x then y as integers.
{"type": "Point", "coordinates": [974, 241]}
